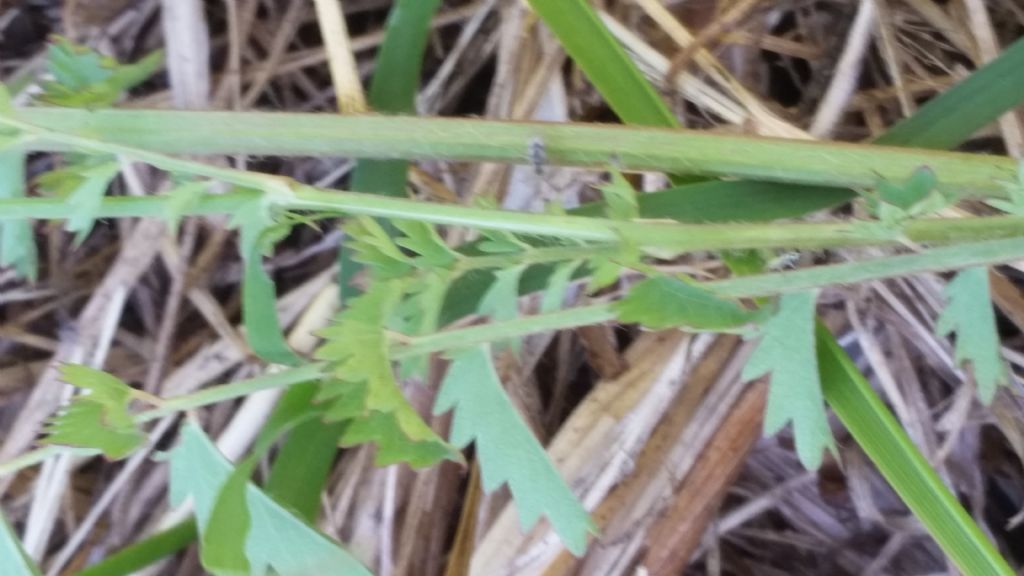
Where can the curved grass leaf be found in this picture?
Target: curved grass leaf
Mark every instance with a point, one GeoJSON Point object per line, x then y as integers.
{"type": "Point", "coordinates": [277, 540]}
{"type": "Point", "coordinates": [508, 452]}
{"type": "Point", "coordinates": [13, 559]}
{"type": "Point", "coordinates": [969, 313]}
{"type": "Point", "coordinates": [97, 419]}
{"type": "Point", "coordinates": [787, 351]}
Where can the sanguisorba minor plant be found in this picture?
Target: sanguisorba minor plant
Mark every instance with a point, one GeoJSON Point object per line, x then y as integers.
{"type": "Point", "coordinates": [419, 286]}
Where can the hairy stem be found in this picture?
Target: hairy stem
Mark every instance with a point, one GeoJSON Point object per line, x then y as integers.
{"type": "Point", "coordinates": [644, 234]}
{"type": "Point", "coordinates": [395, 137]}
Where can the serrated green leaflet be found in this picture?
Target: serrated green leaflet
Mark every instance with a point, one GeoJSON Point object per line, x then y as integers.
{"type": "Point", "coordinates": [501, 302]}
{"type": "Point", "coordinates": [1015, 191]}
{"type": "Point", "coordinates": [277, 540]}
{"type": "Point", "coordinates": [666, 302]}
{"type": "Point", "coordinates": [969, 313]}
{"type": "Point", "coordinates": [558, 282]}
{"type": "Point", "coordinates": [620, 198]}
{"type": "Point", "coordinates": [97, 419]}
{"type": "Point", "coordinates": [507, 450]}
{"type": "Point", "coordinates": [362, 389]}
{"type": "Point", "coordinates": [787, 352]}
{"type": "Point", "coordinates": [87, 197]}
{"type": "Point", "coordinates": [373, 246]}
{"type": "Point", "coordinates": [13, 559]}
{"type": "Point", "coordinates": [423, 239]}
{"type": "Point", "coordinates": [85, 79]}
{"type": "Point", "coordinates": [183, 198]}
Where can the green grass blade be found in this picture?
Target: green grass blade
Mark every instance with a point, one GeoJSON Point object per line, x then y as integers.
{"type": "Point", "coordinates": [304, 460]}
{"type": "Point", "coordinates": [952, 117]}
{"type": "Point", "coordinates": [593, 48]}
{"type": "Point", "coordinates": [396, 80]}
{"type": "Point", "coordinates": [899, 461]}
{"type": "Point", "coordinates": [146, 552]}
{"type": "Point", "coordinates": [13, 559]}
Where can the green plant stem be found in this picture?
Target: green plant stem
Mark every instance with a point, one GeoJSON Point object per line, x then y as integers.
{"type": "Point", "coordinates": [933, 260]}
{"type": "Point", "coordinates": [672, 150]}
{"type": "Point", "coordinates": [517, 328]}
{"type": "Point", "coordinates": [977, 254]}
{"type": "Point", "coordinates": [537, 256]}
{"type": "Point", "coordinates": [645, 234]}
{"type": "Point", "coordinates": [216, 394]}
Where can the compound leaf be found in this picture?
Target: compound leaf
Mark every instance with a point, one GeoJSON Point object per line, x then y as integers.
{"type": "Point", "coordinates": [667, 302]}
{"type": "Point", "coordinates": [508, 452]}
{"type": "Point", "coordinates": [969, 313]}
{"type": "Point", "coordinates": [277, 542]}
{"type": "Point", "coordinates": [787, 351]}
{"type": "Point", "coordinates": [82, 78]}
{"type": "Point", "coordinates": [98, 419]}
{"type": "Point", "coordinates": [362, 389]}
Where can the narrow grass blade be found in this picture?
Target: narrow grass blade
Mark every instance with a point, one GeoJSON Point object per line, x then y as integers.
{"type": "Point", "coordinates": [299, 473]}
{"type": "Point", "coordinates": [606, 64]}
{"type": "Point", "coordinates": [952, 117]}
{"type": "Point", "coordinates": [896, 457]}
{"type": "Point", "coordinates": [146, 552]}
{"type": "Point", "coordinates": [13, 559]}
